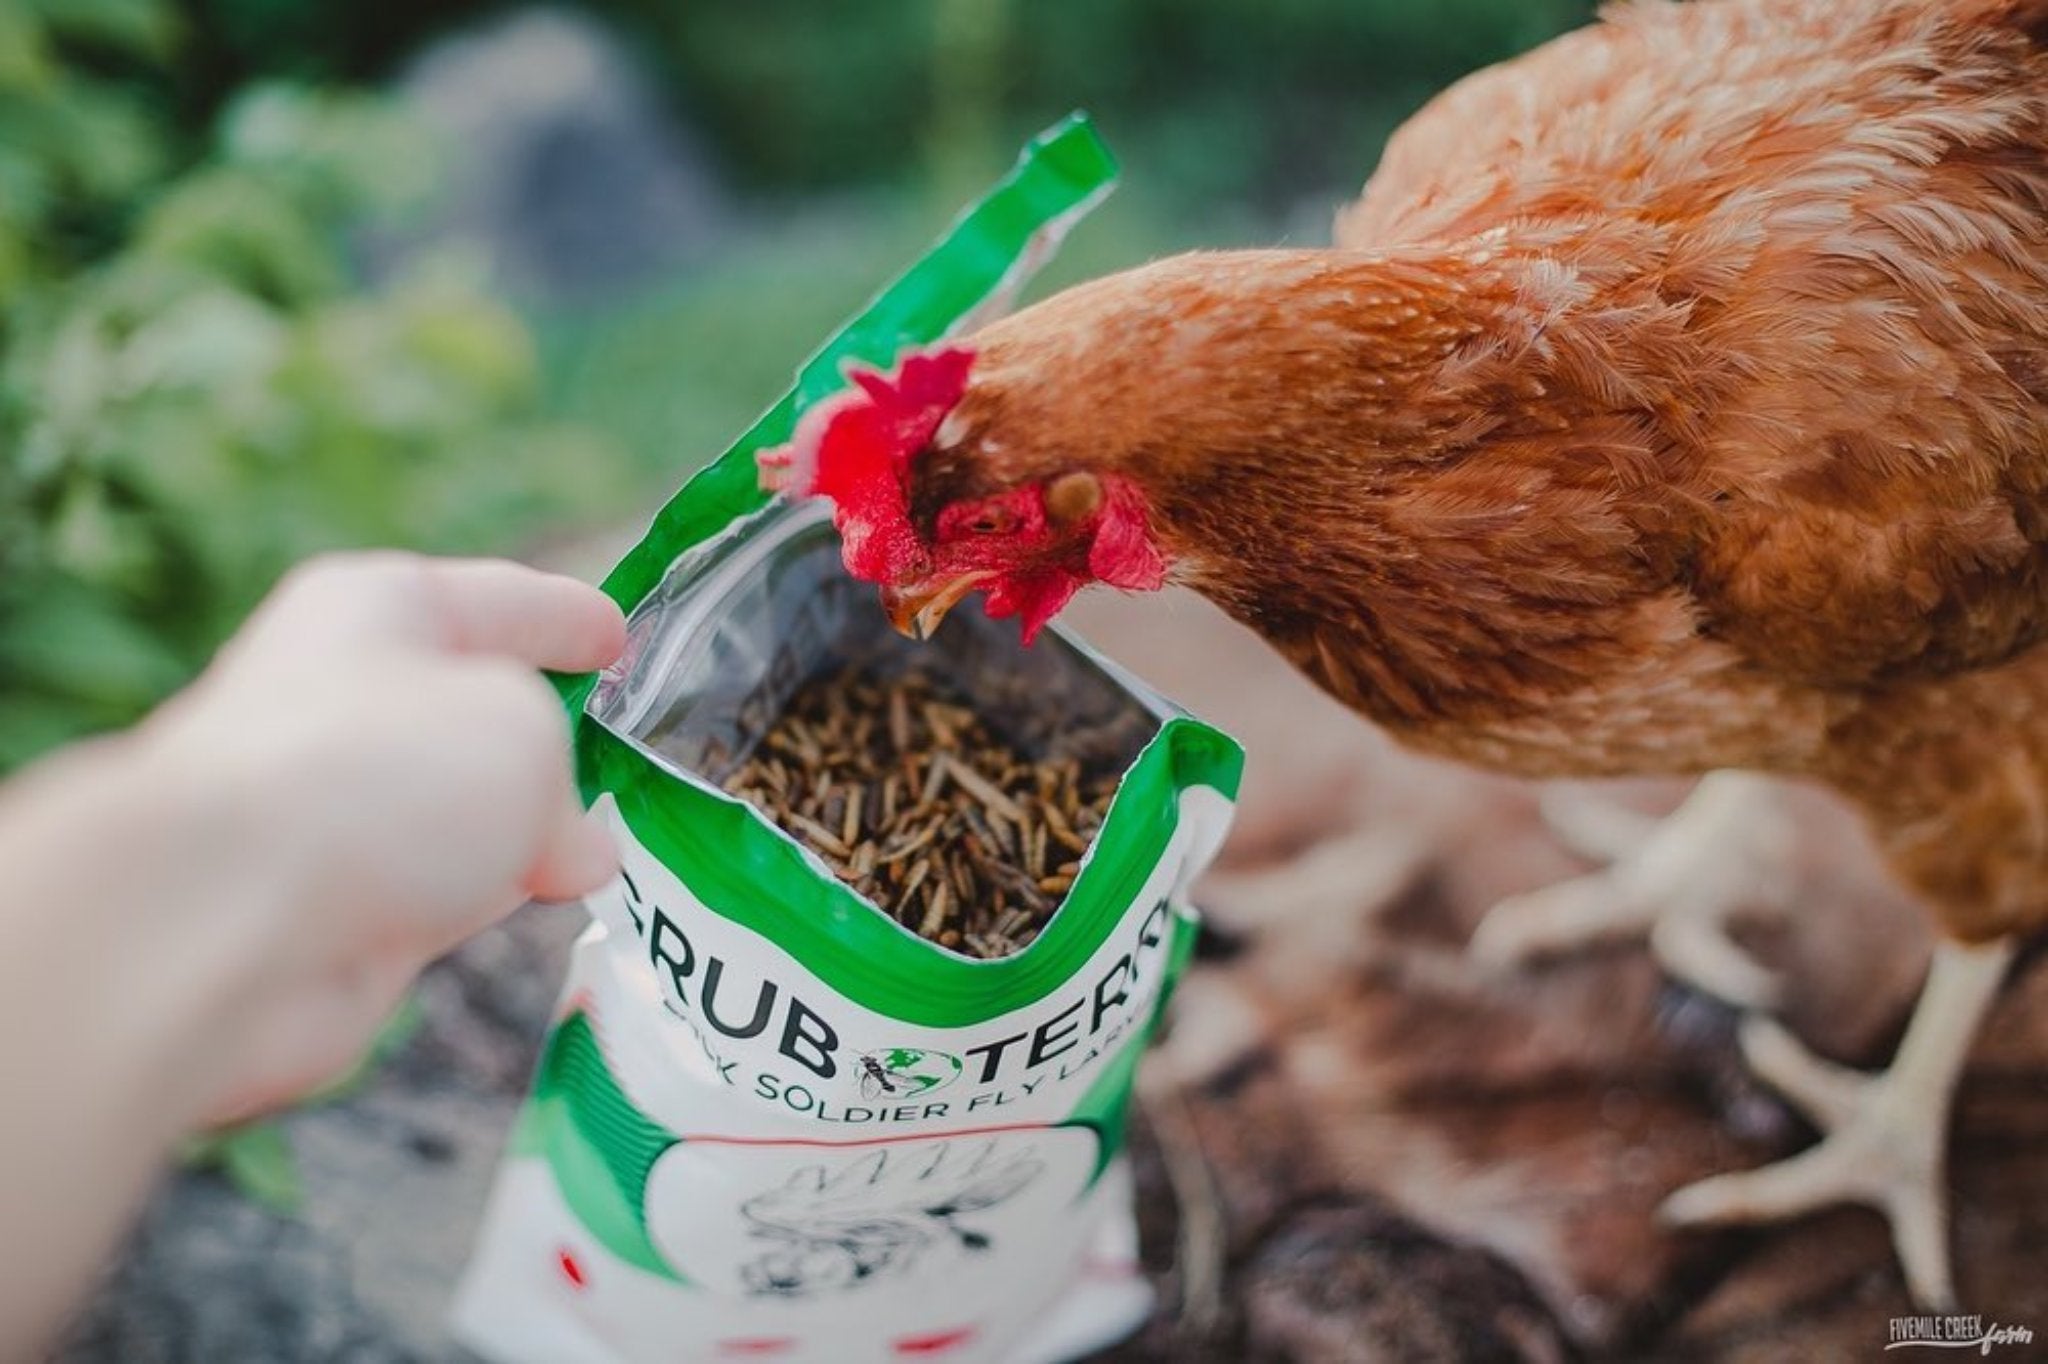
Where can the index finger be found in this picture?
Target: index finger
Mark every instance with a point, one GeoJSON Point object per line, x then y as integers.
{"type": "Point", "coordinates": [491, 606]}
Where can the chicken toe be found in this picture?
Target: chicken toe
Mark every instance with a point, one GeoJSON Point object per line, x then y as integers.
{"type": "Point", "coordinates": [1886, 1134]}
{"type": "Point", "coordinates": [1590, 827]}
{"type": "Point", "coordinates": [1345, 880]}
{"type": "Point", "coordinates": [1679, 884]}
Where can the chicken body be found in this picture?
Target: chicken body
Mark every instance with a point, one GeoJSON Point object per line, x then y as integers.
{"type": "Point", "coordinates": [1674, 399]}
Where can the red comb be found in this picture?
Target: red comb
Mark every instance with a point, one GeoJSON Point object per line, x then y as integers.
{"type": "Point", "coordinates": [856, 448]}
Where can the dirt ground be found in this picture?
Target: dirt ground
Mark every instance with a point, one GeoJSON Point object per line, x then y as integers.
{"type": "Point", "coordinates": [1354, 1144]}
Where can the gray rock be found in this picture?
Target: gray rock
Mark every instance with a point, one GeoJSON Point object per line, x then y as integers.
{"type": "Point", "coordinates": [209, 1276]}
{"type": "Point", "coordinates": [1356, 1280]}
{"type": "Point", "coordinates": [567, 172]}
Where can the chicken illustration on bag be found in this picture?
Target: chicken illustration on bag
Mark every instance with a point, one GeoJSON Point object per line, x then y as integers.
{"type": "Point", "coordinates": [879, 1214]}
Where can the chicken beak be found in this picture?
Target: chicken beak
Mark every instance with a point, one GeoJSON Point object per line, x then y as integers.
{"type": "Point", "coordinates": [916, 610]}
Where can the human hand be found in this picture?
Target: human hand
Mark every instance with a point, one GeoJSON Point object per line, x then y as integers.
{"type": "Point", "coordinates": [381, 772]}
{"type": "Point", "coordinates": [211, 913]}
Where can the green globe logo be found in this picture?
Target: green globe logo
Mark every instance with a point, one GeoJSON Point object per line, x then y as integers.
{"type": "Point", "coordinates": [906, 1072]}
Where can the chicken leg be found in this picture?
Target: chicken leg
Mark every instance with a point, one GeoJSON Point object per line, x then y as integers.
{"type": "Point", "coordinates": [1679, 881]}
{"type": "Point", "coordinates": [1886, 1134]}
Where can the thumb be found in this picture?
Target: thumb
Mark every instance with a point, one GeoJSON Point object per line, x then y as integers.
{"type": "Point", "coordinates": [577, 858]}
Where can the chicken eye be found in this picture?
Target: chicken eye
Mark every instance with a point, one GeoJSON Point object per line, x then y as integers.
{"type": "Point", "coordinates": [992, 521]}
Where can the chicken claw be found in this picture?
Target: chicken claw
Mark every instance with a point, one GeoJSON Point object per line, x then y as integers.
{"type": "Point", "coordinates": [1886, 1133]}
{"type": "Point", "coordinates": [1343, 880]}
{"type": "Point", "coordinates": [1679, 881]}
{"type": "Point", "coordinates": [1597, 830]}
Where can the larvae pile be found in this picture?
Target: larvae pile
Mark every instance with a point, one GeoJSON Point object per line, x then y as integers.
{"type": "Point", "coordinates": [914, 802]}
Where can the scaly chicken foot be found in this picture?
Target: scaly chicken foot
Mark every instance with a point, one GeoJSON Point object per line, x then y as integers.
{"type": "Point", "coordinates": [1886, 1134]}
{"type": "Point", "coordinates": [1589, 827]}
{"type": "Point", "coordinates": [1679, 881]}
{"type": "Point", "coordinates": [1346, 879]}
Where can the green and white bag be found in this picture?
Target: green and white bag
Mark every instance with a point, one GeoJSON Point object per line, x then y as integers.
{"type": "Point", "coordinates": [707, 1169]}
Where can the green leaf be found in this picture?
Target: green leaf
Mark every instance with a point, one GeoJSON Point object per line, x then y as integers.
{"type": "Point", "coordinates": [31, 725]}
{"type": "Point", "coordinates": [197, 389]}
{"type": "Point", "coordinates": [144, 27]}
{"type": "Point", "coordinates": [97, 139]}
{"type": "Point", "coordinates": [26, 62]}
{"type": "Point", "coordinates": [246, 229]}
{"type": "Point", "coordinates": [473, 343]}
{"type": "Point", "coordinates": [257, 1160]}
{"type": "Point", "coordinates": [216, 339]}
{"type": "Point", "coordinates": [72, 642]}
{"type": "Point", "coordinates": [337, 150]}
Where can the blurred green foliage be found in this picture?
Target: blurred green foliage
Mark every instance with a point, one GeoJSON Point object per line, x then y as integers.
{"type": "Point", "coordinates": [1242, 99]}
{"type": "Point", "coordinates": [1245, 98]}
{"type": "Point", "coordinates": [195, 387]}
{"type": "Point", "coordinates": [672, 373]}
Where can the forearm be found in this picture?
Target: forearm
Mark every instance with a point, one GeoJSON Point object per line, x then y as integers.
{"type": "Point", "coordinates": [126, 913]}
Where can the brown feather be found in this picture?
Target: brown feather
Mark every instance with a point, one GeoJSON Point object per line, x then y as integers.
{"type": "Point", "coordinates": [1676, 397]}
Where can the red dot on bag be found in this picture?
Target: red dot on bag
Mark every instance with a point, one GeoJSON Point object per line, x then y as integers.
{"type": "Point", "coordinates": [756, 1345]}
{"type": "Point", "coordinates": [571, 1267]}
{"type": "Point", "coordinates": [934, 1344]}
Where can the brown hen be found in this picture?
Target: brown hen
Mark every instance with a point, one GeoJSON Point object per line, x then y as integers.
{"type": "Point", "coordinates": [1675, 400]}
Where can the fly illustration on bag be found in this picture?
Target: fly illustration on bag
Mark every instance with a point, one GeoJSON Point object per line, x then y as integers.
{"type": "Point", "coordinates": [906, 1072]}
{"type": "Point", "coordinates": [844, 1057]}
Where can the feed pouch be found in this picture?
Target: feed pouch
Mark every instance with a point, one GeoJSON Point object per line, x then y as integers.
{"type": "Point", "coordinates": [771, 1122]}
